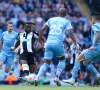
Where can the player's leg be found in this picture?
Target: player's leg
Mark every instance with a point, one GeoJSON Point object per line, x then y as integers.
{"type": "Point", "coordinates": [31, 63]}
{"type": "Point", "coordinates": [58, 50]}
{"type": "Point", "coordinates": [42, 70]}
{"type": "Point", "coordinates": [92, 69]}
{"type": "Point", "coordinates": [32, 68]}
{"type": "Point", "coordinates": [48, 55]}
{"type": "Point", "coordinates": [85, 56]}
{"type": "Point", "coordinates": [91, 56]}
{"type": "Point", "coordinates": [2, 60]}
{"type": "Point", "coordinates": [8, 63]}
{"type": "Point", "coordinates": [75, 70]}
{"type": "Point", "coordinates": [1, 63]}
{"type": "Point", "coordinates": [12, 67]}
{"type": "Point", "coordinates": [23, 61]}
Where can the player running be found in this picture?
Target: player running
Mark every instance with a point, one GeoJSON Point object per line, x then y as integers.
{"type": "Point", "coordinates": [89, 55]}
{"type": "Point", "coordinates": [27, 49]}
{"type": "Point", "coordinates": [7, 40]}
{"type": "Point", "coordinates": [54, 44]}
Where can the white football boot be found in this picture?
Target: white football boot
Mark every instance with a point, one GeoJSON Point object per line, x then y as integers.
{"type": "Point", "coordinates": [70, 81]}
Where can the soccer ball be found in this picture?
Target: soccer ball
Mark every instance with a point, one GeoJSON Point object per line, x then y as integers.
{"type": "Point", "coordinates": [30, 78]}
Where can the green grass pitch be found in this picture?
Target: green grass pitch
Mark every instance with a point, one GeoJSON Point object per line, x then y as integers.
{"type": "Point", "coordinates": [23, 87]}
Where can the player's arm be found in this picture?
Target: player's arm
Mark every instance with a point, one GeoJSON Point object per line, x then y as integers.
{"type": "Point", "coordinates": [43, 39]}
{"type": "Point", "coordinates": [70, 32]}
{"type": "Point", "coordinates": [44, 27]}
{"type": "Point", "coordinates": [16, 44]}
{"type": "Point", "coordinates": [17, 49]}
{"type": "Point", "coordinates": [96, 38]}
{"type": "Point", "coordinates": [37, 37]}
{"type": "Point", "coordinates": [96, 34]}
{"type": "Point", "coordinates": [69, 29]}
{"type": "Point", "coordinates": [72, 36]}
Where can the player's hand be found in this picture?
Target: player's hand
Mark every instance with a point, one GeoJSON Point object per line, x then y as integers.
{"type": "Point", "coordinates": [91, 48]}
{"type": "Point", "coordinates": [38, 45]}
{"type": "Point", "coordinates": [12, 48]}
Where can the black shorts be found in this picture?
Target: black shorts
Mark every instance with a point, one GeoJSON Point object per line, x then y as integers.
{"type": "Point", "coordinates": [29, 57]}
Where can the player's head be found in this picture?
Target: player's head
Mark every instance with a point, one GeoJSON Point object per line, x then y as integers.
{"type": "Point", "coordinates": [95, 17]}
{"type": "Point", "coordinates": [28, 27]}
{"type": "Point", "coordinates": [62, 12]}
{"type": "Point", "coordinates": [9, 26]}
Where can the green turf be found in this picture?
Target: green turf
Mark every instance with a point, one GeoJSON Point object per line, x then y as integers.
{"type": "Point", "coordinates": [23, 87]}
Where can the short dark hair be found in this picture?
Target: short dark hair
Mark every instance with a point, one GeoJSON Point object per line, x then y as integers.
{"type": "Point", "coordinates": [96, 15]}
{"type": "Point", "coordinates": [30, 23]}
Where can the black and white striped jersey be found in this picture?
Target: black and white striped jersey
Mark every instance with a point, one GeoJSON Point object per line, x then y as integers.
{"type": "Point", "coordinates": [27, 42]}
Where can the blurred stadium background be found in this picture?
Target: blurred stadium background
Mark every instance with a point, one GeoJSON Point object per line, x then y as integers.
{"type": "Point", "coordinates": [38, 11]}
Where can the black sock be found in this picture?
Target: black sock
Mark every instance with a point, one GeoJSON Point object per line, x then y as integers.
{"type": "Point", "coordinates": [26, 72]}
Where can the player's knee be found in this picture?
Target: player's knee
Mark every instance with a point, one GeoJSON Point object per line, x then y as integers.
{"type": "Point", "coordinates": [7, 70]}
{"type": "Point", "coordinates": [1, 63]}
{"type": "Point", "coordinates": [47, 61]}
{"type": "Point", "coordinates": [80, 58]}
{"type": "Point", "coordinates": [61, 58]}
{"type": "Point", "coordinates": [23, 62]}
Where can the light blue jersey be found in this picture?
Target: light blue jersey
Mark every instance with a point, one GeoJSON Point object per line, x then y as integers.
{"type": "Point", "coordinates": [94, 28]}
{"type": "Point", "coordinates": [54, 44]}
{"type": "Point", "coordinates": [95, 53]}
{"type": "Point", "coordinates": [57, 27]}
{"type": "Point", "coordinates": [8, 39]}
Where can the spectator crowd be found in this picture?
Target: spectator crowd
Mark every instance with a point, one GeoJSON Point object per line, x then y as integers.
{"type": "Point", "coordinates": [39, 11]}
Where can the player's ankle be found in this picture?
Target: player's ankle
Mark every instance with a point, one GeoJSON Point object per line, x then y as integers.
{"type": "Point", "coordinates": [25, 69]}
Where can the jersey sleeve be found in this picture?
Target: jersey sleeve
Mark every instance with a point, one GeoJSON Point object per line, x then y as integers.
{"type": "Point", "coordinates": [47, 23]}
{"type": "Point", "coordinates": [68, 25]}
{"type": "Point", "coordinates": [95, 28]}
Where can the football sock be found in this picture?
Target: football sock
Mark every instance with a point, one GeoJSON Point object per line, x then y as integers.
{"type": "Point", "coordinates": [91, 68]}
{"type": "Point", "coordinates": [43, 69]}
{"type": "Point", "coordinates": [75, 70]}
{"type": "Point", "coordinates": [60, 67]}
{"type": "Point", "coordinates": [25, 69]}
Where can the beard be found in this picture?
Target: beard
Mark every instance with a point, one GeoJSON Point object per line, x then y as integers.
{"type": "Point", "coordinates": [27, 31]}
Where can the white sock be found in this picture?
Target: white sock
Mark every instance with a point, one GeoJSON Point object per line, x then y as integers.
{"type": "Point", "coordinates": [25, 69]}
